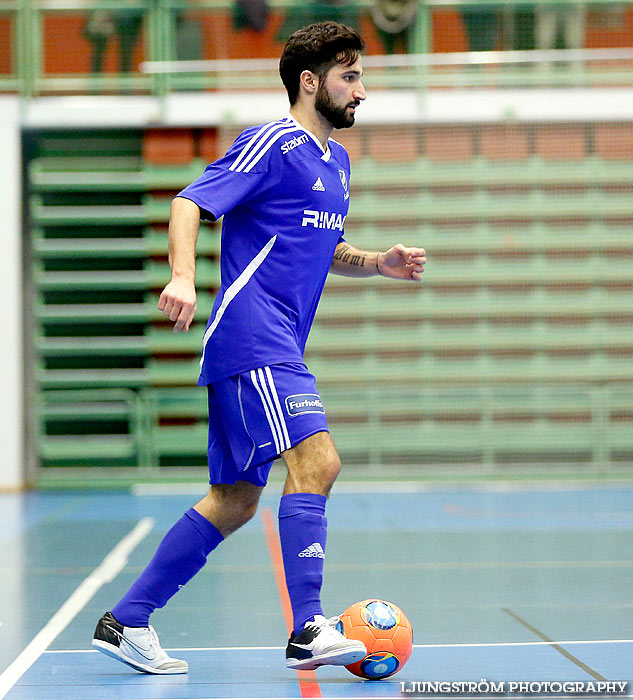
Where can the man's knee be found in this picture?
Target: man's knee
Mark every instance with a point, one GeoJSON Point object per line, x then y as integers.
{"type": "Point", "coordinates": [313, 465]}
{"type": "Point", "coordinates": [331, 469]}
{"type": "Point", "coordinates": [246, 508]}
{"type": "Point", "coordinates": [229, 506]}
{"type": "Point", "coordinates": [240, 499]}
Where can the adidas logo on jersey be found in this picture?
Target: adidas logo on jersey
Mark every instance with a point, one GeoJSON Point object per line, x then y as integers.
{"type": "Point", "coordinates": [314, 550]}
{"type": "Point", "coordinates": [318, 185]}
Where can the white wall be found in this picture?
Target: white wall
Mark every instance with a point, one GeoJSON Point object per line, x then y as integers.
{"type": "Point", "coordinates": [382, 106]}
{"type": "Point", "coordinates": [11, 371]}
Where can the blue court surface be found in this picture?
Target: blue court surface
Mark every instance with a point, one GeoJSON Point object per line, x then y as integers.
{"type": "Point", "coordinates": [506, 584]}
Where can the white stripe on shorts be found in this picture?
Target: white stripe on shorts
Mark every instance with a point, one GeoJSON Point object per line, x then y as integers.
{"type": "Point", "coordinates": [277, 417]}
{"type": "Point", "coordinates": [271, 423]}
{"type": "Point", "coordinates": [280, 413]}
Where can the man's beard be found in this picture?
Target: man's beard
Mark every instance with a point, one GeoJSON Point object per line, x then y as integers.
{"type": "Point", "coordinates": [338, 116]}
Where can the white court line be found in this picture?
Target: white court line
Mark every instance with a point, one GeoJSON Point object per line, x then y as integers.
{"type": "Point", "coordinates": [104, 573]}
{"type": "Point", "coordinates": [415, 646]}
{"type": "Point", "coordinates": [482, 645]}
{"type": "Point", "coordinates": [390, 486]}
{"type": "Point", "coordinates": [399, 695]}
{"type": "Point", "coordinates": [525, 644]}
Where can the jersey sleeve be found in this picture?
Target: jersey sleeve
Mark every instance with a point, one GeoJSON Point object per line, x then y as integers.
{"type": "Point", "coordinates": [230, 181]}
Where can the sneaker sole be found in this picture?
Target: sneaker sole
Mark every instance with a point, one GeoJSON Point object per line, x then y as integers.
{"type": "Point", "coordinates": [342, 657]}
{"type": "Point", "coordinates": [114, 653]}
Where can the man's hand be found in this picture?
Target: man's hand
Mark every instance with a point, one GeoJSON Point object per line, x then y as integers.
{"type": "Point", "coordinates": [402, 263]}
{"type": "Point", "coordinates": [178, 302]}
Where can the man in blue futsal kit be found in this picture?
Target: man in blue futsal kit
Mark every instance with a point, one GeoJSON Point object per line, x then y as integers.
{"type": "Point", "coordinates": [283, 189]}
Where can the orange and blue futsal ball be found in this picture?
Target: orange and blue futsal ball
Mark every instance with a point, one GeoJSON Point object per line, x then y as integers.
{"type": "Point", "coordinates": [386, 633]}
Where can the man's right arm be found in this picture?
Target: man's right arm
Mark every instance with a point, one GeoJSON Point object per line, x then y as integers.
{"type": "Point", "coordinates": [178, 299]}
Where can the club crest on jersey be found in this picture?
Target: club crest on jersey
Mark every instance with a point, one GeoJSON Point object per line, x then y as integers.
{"type": "Point", "coordinates": [323, 219]}
{"type": "Point", "coordinates": [343, 176]}
{"type": "Point", "coordinates": [304, 403]}
{"type": "Point", "coordinates": [287, 146]}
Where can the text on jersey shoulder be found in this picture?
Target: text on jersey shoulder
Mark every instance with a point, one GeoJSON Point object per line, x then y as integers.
{"type": "Point", "coordinates": [287, 146]}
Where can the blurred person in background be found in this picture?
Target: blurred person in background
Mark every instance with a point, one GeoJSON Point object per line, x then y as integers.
{"type": "Point", "coordinates": [481, 24]}
{"type": "Point", "coordinates": [101, 25]}
{"type": "Point", "coordinates": [521, 32]}
{"type": "Point", "coordinates": [393, 20]}
{"type": "Point", "coordinates": [188, 36]}
{"type": "Point", "coordinates": [554, 17]}
{"type": "Point", "coordinates": [303, 13]}
{"type": "Point", "coordinates": [250, 14]}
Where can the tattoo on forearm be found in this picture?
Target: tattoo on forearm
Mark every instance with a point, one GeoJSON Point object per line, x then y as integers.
{"type": "Point", "coordinates": [343, 256]}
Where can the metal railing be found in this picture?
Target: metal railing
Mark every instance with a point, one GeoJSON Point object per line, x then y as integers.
{"type": "Point", "coordinates": [32, 38]}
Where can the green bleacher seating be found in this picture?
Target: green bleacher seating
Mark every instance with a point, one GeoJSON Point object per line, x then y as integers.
{"type": "Point", "coordinates": [99, 427]}
{"type": "Point", "coordinates": [386, 369]}
{"type": "Point", "coordinates": [177, 422]}
{"type": "Point", "coordinates": [516, 347]}
{"type": "Point", "coordinates": [480, 172]}
{"type": "Point", "coordinates": [480, 424]}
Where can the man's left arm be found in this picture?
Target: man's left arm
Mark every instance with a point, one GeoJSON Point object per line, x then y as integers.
{"type": "Point", "coordinates": [399, 262]}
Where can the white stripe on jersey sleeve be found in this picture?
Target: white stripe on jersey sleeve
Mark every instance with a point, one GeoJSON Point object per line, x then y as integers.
{"type": "Point", "coordinates": [255, 156]}
{"type": "Point", "coordinates": [265, 404]}
{"type": "Point", "coordinates": [246, 151]}
{"type": "Point", "coordinates": [233, 290]}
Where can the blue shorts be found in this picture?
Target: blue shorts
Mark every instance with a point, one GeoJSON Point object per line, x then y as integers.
{"type": "Point", "coordinates": [257, 415]}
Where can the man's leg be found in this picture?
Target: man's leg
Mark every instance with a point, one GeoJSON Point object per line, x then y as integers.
{"type": "Point", "coordinates": [574, 23]}
{"type": "Point", "coordinates": [184, 549]}
{"type": "Point", "coordinates": [546, 26]}
{"type": "Point", "coordinates": [313, 466]}
{"type": "Point", "coordinates": [181, 554]}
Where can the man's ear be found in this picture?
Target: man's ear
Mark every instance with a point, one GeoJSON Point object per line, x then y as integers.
{"type": "Point", "coordinates": [309, 81]}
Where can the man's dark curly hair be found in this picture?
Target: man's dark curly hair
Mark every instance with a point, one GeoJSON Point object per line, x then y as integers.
{"type": "Point", "coordinates": [317, 48]}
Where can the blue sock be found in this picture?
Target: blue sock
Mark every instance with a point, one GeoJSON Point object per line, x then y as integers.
{"type": "Point", "coordinates": [181, 554]}
{"type": "Point", "coordinates": [302, 532]}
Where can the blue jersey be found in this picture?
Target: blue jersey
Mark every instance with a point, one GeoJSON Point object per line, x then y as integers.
{"type": "Point", "coordinates": [284, 202]}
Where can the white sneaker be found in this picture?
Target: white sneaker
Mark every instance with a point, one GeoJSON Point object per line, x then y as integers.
{"type": "Point", "coordinates": [137, 647]}
{"type": "Point", "coordinates": [320, 643]}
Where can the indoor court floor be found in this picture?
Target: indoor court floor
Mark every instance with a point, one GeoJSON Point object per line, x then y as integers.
{"type": "Point", "coordinates": [504, 583]}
